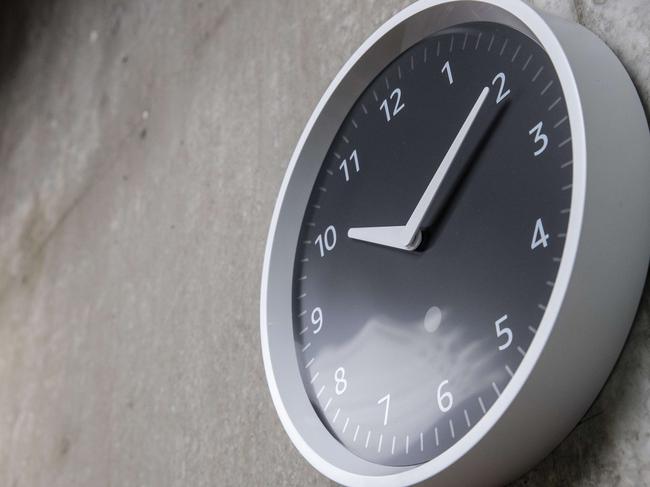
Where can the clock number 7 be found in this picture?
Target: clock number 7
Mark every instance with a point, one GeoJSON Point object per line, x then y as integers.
{"type": "Point", "coordinates": [385, 399]}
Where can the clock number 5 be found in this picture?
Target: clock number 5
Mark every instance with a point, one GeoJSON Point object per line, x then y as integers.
{"type": "Point", "coordinates": [503, 332]}
{"type": "Point", "coordinates": [539, 137]}
{"type": "Point", "coordinates": [398, 106]}
{"type": "Point", "coordinates": [445, 399]}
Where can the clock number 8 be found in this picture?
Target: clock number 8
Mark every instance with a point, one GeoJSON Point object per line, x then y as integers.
{"type": "Point", "coordinates": [339, 378]}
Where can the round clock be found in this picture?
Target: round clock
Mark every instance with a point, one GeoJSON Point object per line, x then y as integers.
{"type": "Point", "coordinates": [458, 247]}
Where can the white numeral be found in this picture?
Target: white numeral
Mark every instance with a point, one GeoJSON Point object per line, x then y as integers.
{"type": "Point", "coordinates": [397, 105]}
{"type": "Point", "coordinates": [445, 399]}
{"type": "Point", "coordinates": [385, 399]}
{"type": "Point", "coordinates": [341, 384]}
{"type": "Point", "coordinates": [447, 67]}
{"type": "Point", "coordinates": [539, 137]}
{"type": "Point", "coordinates": [317, 319]}
{"type": "Point", "coordinates": [344, 165]}
{"type": "Point", "coordinates": [502, 82]}
{"type": "Point", "coordinates": [540, 237]}
{"type": "Point", "coordinates": [503, 331]}
{"type": "Point", "coordinates": [326, 241]}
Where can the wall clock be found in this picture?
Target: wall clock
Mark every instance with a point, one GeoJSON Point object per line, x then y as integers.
{"type": "Point", "coordinates": [458, 248]}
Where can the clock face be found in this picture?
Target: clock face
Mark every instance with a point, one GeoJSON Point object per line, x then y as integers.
{"type": "Point", "coordinates": [405, 343]}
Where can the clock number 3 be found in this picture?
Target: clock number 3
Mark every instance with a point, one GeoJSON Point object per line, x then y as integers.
{"type": "Point", "coordinates": [503, 331]}
{"type": "Point", "coordinates": [539, 137]}
{"type": "Point", "coordinates": [398, 106]}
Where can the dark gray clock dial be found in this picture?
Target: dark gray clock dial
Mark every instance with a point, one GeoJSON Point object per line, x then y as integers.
{"type": "Point", "coordinates": [404, 350]}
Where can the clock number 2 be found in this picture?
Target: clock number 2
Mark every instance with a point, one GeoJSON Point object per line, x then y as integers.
{"type": "Point", "coordinates": [501, 78]}
{"type": "Point", "coordinates": [503, 331]}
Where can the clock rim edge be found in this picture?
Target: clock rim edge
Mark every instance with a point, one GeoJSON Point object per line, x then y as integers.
{"type": "Point", "coordinates": [545, 27]}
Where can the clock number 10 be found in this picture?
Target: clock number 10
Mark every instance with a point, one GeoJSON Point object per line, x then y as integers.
{"type": "Point", "coordinates": [326, 241]}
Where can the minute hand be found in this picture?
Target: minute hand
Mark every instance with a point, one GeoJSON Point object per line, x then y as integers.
{"type": "Point", "coordinates": [407, 237]}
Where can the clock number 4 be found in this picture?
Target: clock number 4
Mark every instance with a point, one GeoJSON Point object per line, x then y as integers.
{"type": "Point", "coordinates": [385, 399]}
{"type": "Point", "coordinates": [326, 241]}
{"type": "Point", "coordinates": [398, 106]}
{"type": "Point", "coordinates": [539, 137]}
{"type": "Point", "coordinates": [344, 165]}
{"type": "Point", "coordinates": [503, 331]}
{"type": "Point", "coordinates": [540, 237]}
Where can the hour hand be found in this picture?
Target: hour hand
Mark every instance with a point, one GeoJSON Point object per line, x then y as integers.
{"type": "Point", "coordinates": [398, 237]}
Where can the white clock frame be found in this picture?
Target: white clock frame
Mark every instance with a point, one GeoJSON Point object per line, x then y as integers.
{"type": "Point", "coordinates": [599, 282]}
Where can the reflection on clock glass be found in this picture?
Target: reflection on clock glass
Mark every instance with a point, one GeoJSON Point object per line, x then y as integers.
{"type": "Point", "coordinates": [431, 242]}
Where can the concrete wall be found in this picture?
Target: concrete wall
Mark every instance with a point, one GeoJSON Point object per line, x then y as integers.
{"type": "Point", "coordinates": [142, 145]}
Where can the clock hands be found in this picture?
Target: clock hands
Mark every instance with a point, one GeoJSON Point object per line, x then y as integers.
{"type": "Point", "coordinates": [409, 236]}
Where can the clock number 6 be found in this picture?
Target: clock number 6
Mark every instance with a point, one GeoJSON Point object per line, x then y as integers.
{"type": "Point", "coordinates": [503, 331]}
{"type": "Point", "coordinates": [445, 399]}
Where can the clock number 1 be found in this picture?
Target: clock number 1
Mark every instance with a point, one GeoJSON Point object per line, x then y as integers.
{"type": "Point", "coordinates": [447, 68]}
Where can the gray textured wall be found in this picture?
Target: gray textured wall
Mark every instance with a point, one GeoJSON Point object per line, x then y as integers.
{"type": "Point", "coordinates": [142, 145]}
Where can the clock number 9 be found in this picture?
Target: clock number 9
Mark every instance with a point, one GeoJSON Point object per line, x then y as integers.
{"type": "Point", "coordinates": [326, 241]}
{"type": "Point", "coordinates": [317, 320]}
{"type": "Point", "coordinates": [445, 399]}
{"type": "Point", "coordinates": [503, 332]}
{"type": "Point", "coordinates": [340, 383]}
